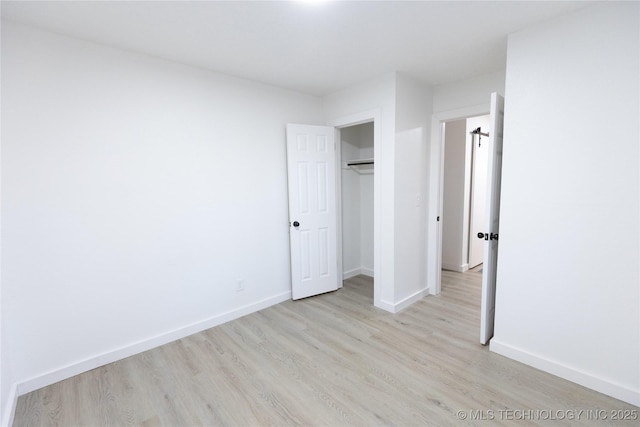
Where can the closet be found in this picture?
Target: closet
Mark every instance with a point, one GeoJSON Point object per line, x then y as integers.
{"type": "Point", "coordinates": [356, 143]}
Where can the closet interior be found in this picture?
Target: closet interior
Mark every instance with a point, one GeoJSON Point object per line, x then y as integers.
{"type": "Point", "coordinates": [357, 199]}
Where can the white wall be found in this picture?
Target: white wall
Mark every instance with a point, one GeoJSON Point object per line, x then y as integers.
{"type": "Point", "coordinates": [375, 98]}
{"type": "Point", "coordinates": [366, 202]}
{"type": "Point", "coordinates": [350, 203]}
{"type": "Point", "coordinates": [366, 224]}
{"type": "Point", "coordinates": [474, 91]}
{"type": "Point", "coordinates": [413, 112]}
{"type": "Point", "coordinates": [6, 381]}
{"type": "Point", "coordinates": [451, 101]}
{"type": "Point", "coordinates": [403, 108]}
{"type": "Point", "coordinates": [568, 299]}
{"type": "Point", "coordinates": [135, 192]}
{"type": "Point", "coordinates": [455, 196]}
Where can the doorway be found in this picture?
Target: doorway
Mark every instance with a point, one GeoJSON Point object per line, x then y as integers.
{"type": "Point", "coordinates": [357, 182]}
{"type": "Point", "coordinates": [436, 181]}
{"type": "Point", "coordinates": [464, 193]}
{"type": "Point", "coordinates": [356, 164]}
{"type": "Point", "coordinates": [490, 234]}
{"type": "Point", "coordinates": [314, 163]}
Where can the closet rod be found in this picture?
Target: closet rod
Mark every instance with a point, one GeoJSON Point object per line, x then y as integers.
{"type": "Point", "coordinates": [358, 163]}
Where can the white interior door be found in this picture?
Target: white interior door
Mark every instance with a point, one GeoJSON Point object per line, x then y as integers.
{"type": "Point", "coordinates": [311, 165]}
{"type": "Point", "coordinates": [494, 173]}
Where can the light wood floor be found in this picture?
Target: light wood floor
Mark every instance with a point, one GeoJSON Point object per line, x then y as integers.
{"type": "Point", "coordinates": [331, 360]}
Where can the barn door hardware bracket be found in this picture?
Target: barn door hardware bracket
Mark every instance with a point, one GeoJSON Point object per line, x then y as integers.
{"type": "Point", "coordinates": [478, 131]}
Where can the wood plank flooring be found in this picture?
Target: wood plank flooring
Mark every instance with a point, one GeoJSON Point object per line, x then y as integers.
{"type": "Point", "coordinates": [330, 360]}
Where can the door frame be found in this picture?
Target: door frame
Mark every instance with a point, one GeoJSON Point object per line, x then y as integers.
{"type": "Point", "coordinates": [436, 182]}
{"type": "Point", "coordinates": [369, 116]}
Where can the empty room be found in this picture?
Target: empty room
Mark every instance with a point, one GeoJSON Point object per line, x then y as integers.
{"type": "Point", "coordinates": [242, 213]}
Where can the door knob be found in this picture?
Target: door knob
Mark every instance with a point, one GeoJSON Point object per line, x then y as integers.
{"type": "Point", "coordinates": [296, 224]}
{"type": "Point", "coordinates": [488, 236]}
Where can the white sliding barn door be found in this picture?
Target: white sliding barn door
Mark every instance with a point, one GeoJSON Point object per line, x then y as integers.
{"type": "Point", "coordinates": [494, 173]}
{"type": "Point", "coordinates": [311, 166]}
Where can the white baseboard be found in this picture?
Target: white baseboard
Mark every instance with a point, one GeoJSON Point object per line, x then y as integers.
{"type": "Point", "coordinates": [366, 272]}
{"type": "Point", "coordinates": [585, 379]}
{"type": "Point", "coordinates": [144, 345]}
{"type": "Point", "coordinates": [357, 272]}
{"type": "Point", "coordinates": [459, 268]}
{"type": "Point", "coordinates": [406, 302]}
{"type": "Point", "coordinates": [403, 303]}
{"type": "Point", "coordinates": [351, 273]}
{"type": "Point", "coordinates": [385, 305]}
{"type": "Point", "coordinates": [10, 411]}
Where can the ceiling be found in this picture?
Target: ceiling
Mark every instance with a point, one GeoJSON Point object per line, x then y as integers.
{"type": "Point", "coordinates": [316, 48]}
